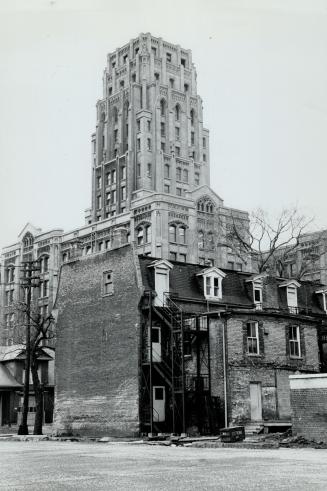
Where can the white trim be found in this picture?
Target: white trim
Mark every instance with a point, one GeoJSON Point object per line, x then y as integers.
{"type": "Point", "coordinates": [308, 381]}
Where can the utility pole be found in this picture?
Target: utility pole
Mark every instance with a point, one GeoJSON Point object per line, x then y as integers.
{"type": "Point", "coordinates": [27, 283]}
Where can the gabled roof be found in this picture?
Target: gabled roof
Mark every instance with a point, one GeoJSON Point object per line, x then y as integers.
{"type": "Point", "coordinates": [6, 379]}
{"type": "Point", "coordinates": [206, 191]}
{"type": "Point", "coordinates": [290, 283]}
{"type": "Point", "coordinates": [211, 270]}
{"type": "Point", "coordinates": [159, 263]}
{"type": "Point", "coordinates": [257, 277]}
{"type": "Point", "coordinates": [29, 228]}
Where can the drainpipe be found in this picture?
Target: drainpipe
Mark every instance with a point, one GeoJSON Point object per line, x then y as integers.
{"type": "Point", "coordinates": [225, 371]}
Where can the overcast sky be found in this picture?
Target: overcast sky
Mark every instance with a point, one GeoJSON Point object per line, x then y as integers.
{"type": "Point", "coordinates": [262, 74]}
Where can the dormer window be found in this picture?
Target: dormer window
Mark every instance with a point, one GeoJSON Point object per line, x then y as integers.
{"type": "Point", "coordinates": [291, 294]}
{"type": "Point", "coordinates": [161, 280]}
{"type": "Point", "coordinates": [323, 297]}
{"type": "Point", "coordinates": [212, 283]}
{"type": "Point", "coordinates": [257, 290]}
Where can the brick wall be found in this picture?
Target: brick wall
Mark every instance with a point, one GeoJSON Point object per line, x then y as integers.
{"type": "Point", "coordinates": [97, 361]}
{"type": "Point", "coordinates": [271, 369]}
{"type": "Point", "coordinates": [309, 406]}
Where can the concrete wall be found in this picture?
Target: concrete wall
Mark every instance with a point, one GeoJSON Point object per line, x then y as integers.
{"type": "Point", "coordinates": [97, 390]}
{"type": "Point", "coordinates": [309, 406]}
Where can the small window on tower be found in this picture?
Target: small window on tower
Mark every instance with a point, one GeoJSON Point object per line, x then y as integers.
{"type": "Point", "coordinates": [168, 57]}
{"type": "Point", "coordinates": [183, 62]}
{"type": "Point", "coordinates": [134, 77]}
{"type": "Point", "coordinates": [108, 287]}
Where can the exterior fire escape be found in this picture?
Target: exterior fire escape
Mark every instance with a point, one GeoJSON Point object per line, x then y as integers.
{"type": "Point", "coordinates": [175, 373]}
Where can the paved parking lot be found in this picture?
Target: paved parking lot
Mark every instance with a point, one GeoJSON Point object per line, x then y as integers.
{"type": "Point", "coordinates": [124, 466]}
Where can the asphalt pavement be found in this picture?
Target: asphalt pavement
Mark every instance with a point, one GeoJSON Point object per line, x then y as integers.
{"type": "Point", "coordinates": [56, 465]}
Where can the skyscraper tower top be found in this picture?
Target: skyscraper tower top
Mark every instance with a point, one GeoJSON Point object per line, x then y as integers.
{"type": "Point", "coordinates": [149, 134]}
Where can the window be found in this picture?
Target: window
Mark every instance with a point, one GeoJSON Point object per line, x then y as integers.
{"type": "Point", "coordinates": [182, 235]}
{"type": "Point", "coordinates": [148, 142]}
{"type": "Point", "coordinates": [182, 258]}
{"type": "Point", "coordinates": [10, 274]}
{"type": "Point", "coordinates": [44, 264]}
{"type": "Point", "coordinates": [183, 62]}
{"type": "Point", "coordinates": [162, 107]}
{"type": "Point", "coordinates": [125, 58]}
{"type": "Point", "coordinates": [294, 342]}
{"type": "Point", "coordinates": [113, 177]}
{"type": "Point", "coordinates": [172, 256]}
{"type": "Point", "coordinates": [167, 188]}
{"type": "Point", "coordinates": [292, 299]}
{"type": "Point", "coordinates": [123, 192]}
{"type": "Point", "coordinates": [108, 288]}
{"type": "Point", "coordinates": [149, 125]}
{"type": "Point", "coordinates": [140, 236]}
{"type": "Point", "coordinates": [123, 172]}
{"type": "Point", "coordinates": [115, 110]}
{"type": "Point", "coordinates": [166, 171]}
{"type": "Point", "coordinates": [185, 87]}
{"type": "Point", "coordinates": [138, 145]}
{"type": "Point", "coordinates": [177, 133]}
{"type": "Point", "coordinates": [185, 175]}
{"type": "Point", "coordinates": [162, 129]}
{"type": "Point", "coordinates": [122, 83]}
{"type": "Point", "coordinates": [108, 198]}
{"type": "Point", "coordinates": [192, 137]}
{"type": "Point", "coordinates": [168, 57]}
{"type": "Point", "coordinates": [177, 151]}
{"type": "Point", "coordinates": [100, 246]}
{"type": "Point", "coordinates": [177, 112]}
{"type": "Point", "coordinates": [163, 146]}
{"type": "Point", "coordinates": [200, 240]}
{"type": "Point", "coordinates": [113, 197]}
{"type": "Point", "coordinates": [99, 202]}
{"type": "Point", "coordinates": [197, 179]}
{"type": "Point", "coordinates": [108, 244]}
{"type": "Point", "coordinates": [252, 338]}
{"type": "Point", "coordinates": [204, 143]}
{"type": "Point", "coordinates": [239, 267]}
{"type": "Point", "coordinates": [108, 178]}
{"type": "Point", "coordinates": [212, 282]}
{"type": "Point", "coordinates": [116, 136]}
{"type": "Point", "coordinates": [192, 116]}
{"type": "Point", "coordinates": [110, 91]}
{"type": "Point", "coordinates": [157, 76]}
{"type": "Point", "coordinates": [179, 191]}
{"type": "Point", "coordinates": [44, 288]}
{"type": "Point", "coordinates": [230, 265]}
{"type": "Point", "coordinates": [178, 174]}
{"type": "Point", "coordinates": [154, 51]}
{"type": "Point", "coordinates": [171, 83]}
{"type": "Point", "coordinates": [147, 230]}
{"type": "Point", "coordinates": [257, 296]}
{"type": "Point", "coordinates": [172, 233]}
{"type": "Point", "coordinates": [149, 171]}
{"type": "Point", "coordinates": [138, 125]}
{"type": "Point", "coordinates": [204, 158]}
{"type": "Point", "coordinates": [134, 77]}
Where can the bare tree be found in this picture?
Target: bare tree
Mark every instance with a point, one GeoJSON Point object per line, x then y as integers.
{"type": "Point", "coordinates": [270, 242]}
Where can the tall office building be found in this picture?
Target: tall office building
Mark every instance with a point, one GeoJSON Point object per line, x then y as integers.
{"type": "Point", "coordinates": [150, 157]}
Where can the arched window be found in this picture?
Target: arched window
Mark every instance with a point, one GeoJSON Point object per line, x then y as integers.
{"type": "Point", "coordinates": [185, 175]}
{"type": "Point", "coordinates": [65, 257]}
{"type": "Point", "coordinates": [192, 115]}
{"type": "Point", "coordinates": [147, 234]}
{"type": "Point", "coordinates": [103, 117]}
{"type": "Point", "coordinates": [140, 236]}
{"type": "Point", "coordinates": [172, 233]}
{"type": "Point", "coordinates": [167, 171]}
{"type": "Point", "coordinates": [177, 112]}
{"type": "Point", "coordinates": [28, 240]}
{"type": "Point", "coordinates": [182, 235]}
{"type": "Point", "coordinates": [163, 107]}
{"type": "Point", "coordinates": [201, 240]}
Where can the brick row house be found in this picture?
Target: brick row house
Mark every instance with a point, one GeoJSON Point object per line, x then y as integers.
{"type": "Point", "coordinates": [148, 344]}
